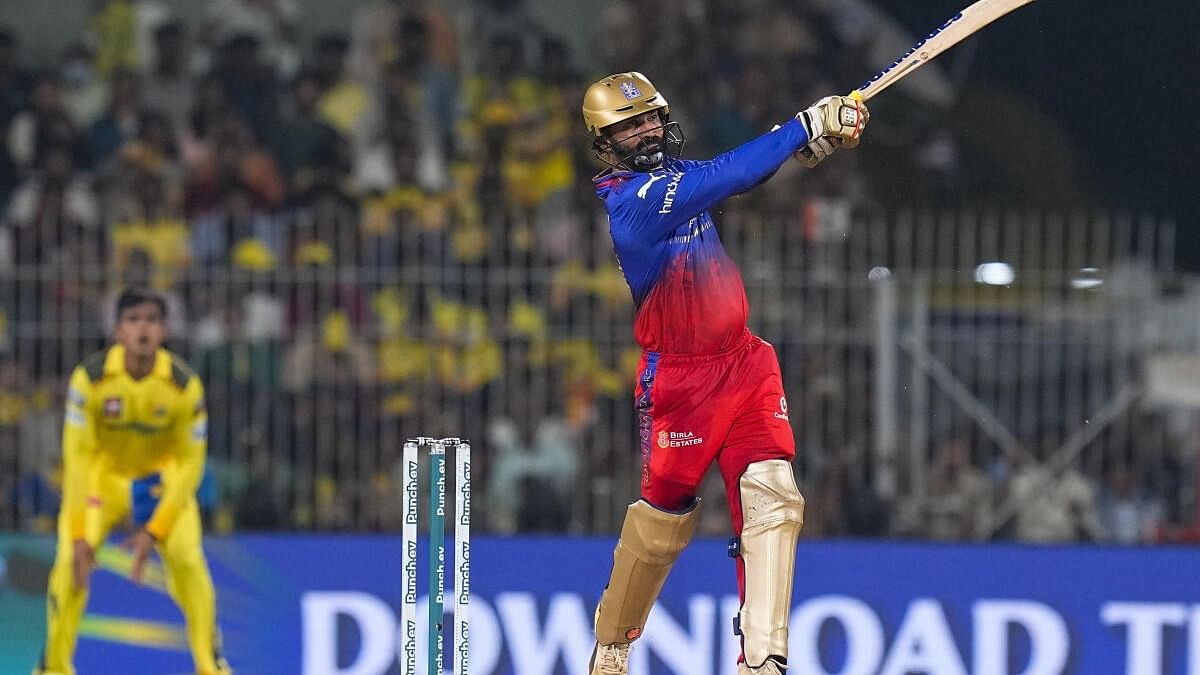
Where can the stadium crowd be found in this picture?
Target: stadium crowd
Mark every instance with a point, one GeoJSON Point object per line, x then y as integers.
{"type": "Point", "coordinates": [391, 231]}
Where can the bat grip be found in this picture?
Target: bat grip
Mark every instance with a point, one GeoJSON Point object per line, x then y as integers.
{"type": "Point", "coordinates": [857, 95]}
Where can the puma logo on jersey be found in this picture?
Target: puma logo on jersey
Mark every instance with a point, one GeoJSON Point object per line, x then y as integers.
{"type": "Point", "coordinates": [641, 193]}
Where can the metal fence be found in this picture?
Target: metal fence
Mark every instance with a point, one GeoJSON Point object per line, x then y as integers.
{"type": "Point", "coordinates": [1014, 340]}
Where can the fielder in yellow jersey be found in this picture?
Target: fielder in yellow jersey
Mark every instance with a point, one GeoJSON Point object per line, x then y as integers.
{"type": "Point", "coordinates": [134, 443]}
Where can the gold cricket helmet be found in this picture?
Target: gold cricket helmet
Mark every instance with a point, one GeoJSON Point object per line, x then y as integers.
{"type": "Point", "coordinates": [619, 97]}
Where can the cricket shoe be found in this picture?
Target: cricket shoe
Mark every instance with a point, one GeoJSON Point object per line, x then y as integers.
{"type": "Point", "coordinates": [769, 667]}
{"type": "Point", "coordinates": [610, 660]}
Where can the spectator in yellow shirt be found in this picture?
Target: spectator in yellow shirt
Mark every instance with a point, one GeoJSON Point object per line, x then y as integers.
{"type": "Point", "coordinates": [343, 100]}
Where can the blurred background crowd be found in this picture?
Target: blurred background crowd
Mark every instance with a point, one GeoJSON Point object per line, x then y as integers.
{"type": "Point", "coordinates": [388, 230]}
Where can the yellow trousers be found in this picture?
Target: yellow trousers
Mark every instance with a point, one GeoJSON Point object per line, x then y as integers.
{"type": "Point", "coordinates": [188, 582]}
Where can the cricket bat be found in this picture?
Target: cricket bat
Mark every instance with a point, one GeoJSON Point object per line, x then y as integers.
{"type": "Point", "coordinates": [956, 29]}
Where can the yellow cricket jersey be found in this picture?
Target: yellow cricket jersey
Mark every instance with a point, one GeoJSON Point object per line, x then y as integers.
{"type": "Point", "coordinates": [118, 426]}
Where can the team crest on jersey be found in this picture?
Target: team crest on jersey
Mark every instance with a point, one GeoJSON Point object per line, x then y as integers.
{"type": "Point", "coordinates": [664, 440]}
{"type": "Point", "coordinates": [112, 407]}
{"type": "Point", "coordinates": [630, 90]}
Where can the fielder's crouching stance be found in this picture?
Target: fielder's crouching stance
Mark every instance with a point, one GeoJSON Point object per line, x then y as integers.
{"type": "Point", "coordinates": [135, 438]}
{"type": "Point", "coordinates": [708, 389]}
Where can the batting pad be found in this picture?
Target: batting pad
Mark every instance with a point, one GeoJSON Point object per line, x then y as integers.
{"type": "Point", "coordinates": [650, 542]}
{"type": "Point", "coordinates": [773, 513]}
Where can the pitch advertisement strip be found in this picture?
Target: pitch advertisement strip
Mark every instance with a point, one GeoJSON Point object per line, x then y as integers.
{"type": "Point", "coordinates": [329, 606]}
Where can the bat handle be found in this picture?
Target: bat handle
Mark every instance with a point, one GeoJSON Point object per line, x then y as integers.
{"type": "Point", "coordinates": [857, 95]}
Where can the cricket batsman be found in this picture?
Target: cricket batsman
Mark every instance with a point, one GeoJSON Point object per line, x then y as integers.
{"type": "Point", "coordinates": [134, 443]}
{"type": "Point", "coordinates": [707, 389]}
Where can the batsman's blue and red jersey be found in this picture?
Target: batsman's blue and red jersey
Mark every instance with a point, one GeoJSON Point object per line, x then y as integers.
{"type": "Point", "coordinates": [689, 294]}
{"type": "Point", "coordinates": [706, 386]}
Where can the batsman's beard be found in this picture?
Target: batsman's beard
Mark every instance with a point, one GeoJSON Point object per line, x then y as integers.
{"type": "Point", "coordinates": [647, 161]}
{"type": "Point", "coordinates": [647, 156]}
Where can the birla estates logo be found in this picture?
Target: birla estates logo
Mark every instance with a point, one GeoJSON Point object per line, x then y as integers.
{"type": "Point", "coordinates": [678, 439]}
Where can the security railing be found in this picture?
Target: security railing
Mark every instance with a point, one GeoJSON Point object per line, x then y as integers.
{"type": "Point", "coordinates": [1011, 340]}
